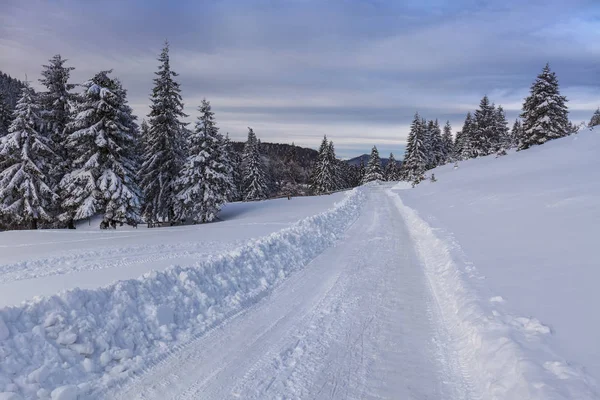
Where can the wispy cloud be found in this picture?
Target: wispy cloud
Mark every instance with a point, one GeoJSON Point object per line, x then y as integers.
{"type": "Point", "coordinates": [299, 69]}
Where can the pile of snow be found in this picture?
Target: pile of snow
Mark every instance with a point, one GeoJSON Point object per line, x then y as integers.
{"type": "Point", "coordinates": [510, 248]}
{"type": "Point", "coordinates": [79, 342]}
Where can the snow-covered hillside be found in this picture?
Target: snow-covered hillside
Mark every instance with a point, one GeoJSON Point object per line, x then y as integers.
{"type": "Point", "coordinates": [524, 229]}
{"type": "Point", "coordinates": [478, 286]}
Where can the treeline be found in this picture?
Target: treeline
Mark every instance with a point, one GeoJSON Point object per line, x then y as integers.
{"type": "Point", "coordinates": [544, 117]}
{"type": "Point", "coordinates": [68, 156]}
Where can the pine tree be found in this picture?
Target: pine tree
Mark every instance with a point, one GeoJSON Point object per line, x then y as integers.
{"type": "Point", "coordinates": [101, 138]}
{"type": "Point", "coordinates": [362, 170]}
{"type": "Point", "coordinates": [231, 168]}
{"type": "Point", "coordinates": [255, 185]}
{"type": "Point", "coordinates": [203, 184]}
{"type": "Point", "coordinates": [595, 121]}
{"type": "Point", "coordinates": [457, 151]}
{"type": "Point", "coordinates": [415, 159]}
{"type": "Point", "coordinates": [164, 144]}
{"type": "Point", "coordinates": [57, 100]}
{"type": "Point", "coordinates": [483, 134]}
{"type": "Point", "coordinates": [337, 172]}
{"type": "Point", "coordinates": [545, 113]}
{"type": "Point", "coordinates": [468, 149]}
{"type": "Point", "coordinates": [392, 172]}
{"type": "Point", "coordinates": [324, 178]}
{"type": "Point", "coordinates": [516, 133]}
{"type": "Point", "coordinates": [436, 148]}
{"type": "Point", "coordinates": [373, 171]}
{"type": "Point", "coordinates": [26, 155]}
{"type": "Point", "coordinates": [447, 143]}
{"type": "Point", "coordinates": [5, 115]}
{"type": "Point", "coordinates": [504, 141]}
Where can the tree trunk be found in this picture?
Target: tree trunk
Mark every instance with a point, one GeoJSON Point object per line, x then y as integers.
{"type": "Point", "coordinates": [34, 224]}
{"type": "Point", "coordinates": [71, 224]}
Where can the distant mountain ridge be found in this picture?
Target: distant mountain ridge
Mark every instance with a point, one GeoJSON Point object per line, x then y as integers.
{"type": "Point", "coordinates": [365, 158]}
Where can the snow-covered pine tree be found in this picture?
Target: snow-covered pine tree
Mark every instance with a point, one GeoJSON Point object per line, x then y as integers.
{"type": "Point", "coordinates": [392, 173]}
{"type": "Point", "coordinates": [337, 171]}
{"type": "Point", "coordinates": [231, 168]}
{"type": "Point", "coordinates": [415, 159]}
{"type": "Point", "coordinates": [436, 145]}
{"type": "Point", "coordinates": [5, 115]}
{"type": "Point", "coordinates": [594, 121]}
{"type": "Point", "coordinates": [203, 183]}
{"type": "Point", "coordinates": [483, 137]}
{"type": "Point", "coordinates": [323, 179]}
{"type": "Point", "coordinates": [56, 101]}
{"type": "Point", "coordinates": [447, 143]}
{"type": "Point", "coordinates": [26, 156]}
{"type": "Point", "coordinates": [504, 141]}
{"type": "Point", "coordinates": [545, 112]}
{"type": "Point", "coordinates": [515, 133]}
{"type": "Point", "coordinates": [374, 171]}
{"type": "Point", "coordinates": [102, 141]}
{"type": "Point", "coordinates": [428, 141]}
{"type": "Point", "coordinates": [255, 185]}
{"type": "Point", "coordinates": [164, 151]}
{"type": "Point", "coordinates": [362, 170]}
{"type": "Point", "coordinates": [468, 150]}
{"type": "Point", "coordinates": [457, 150]}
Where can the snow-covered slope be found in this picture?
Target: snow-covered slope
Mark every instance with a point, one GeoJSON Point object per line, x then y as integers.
{"type": "Point", "coordinates": [77, 342]}
{"type": "Point", "coordinates": [522, 231]}
{"type": "Point", "coordinates": [43, 262]}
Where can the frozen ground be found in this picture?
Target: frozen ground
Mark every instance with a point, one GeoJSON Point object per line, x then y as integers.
{"type": "Point", "coordinates": [527, 227]}
{"type": "Point", "coordinates": [43, 262]}
{"type": "Point", "coordinates": [478, 286]}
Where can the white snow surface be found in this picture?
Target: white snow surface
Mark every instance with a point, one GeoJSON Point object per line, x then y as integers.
{"type": "Point", "coordinates": [44, 262]}
{"type": "Point", "coordinates": [72, 344]}
{"type": "Point", "coordinates": [514, 261]}
{"type": "Point", "coordinates": [478, 286]}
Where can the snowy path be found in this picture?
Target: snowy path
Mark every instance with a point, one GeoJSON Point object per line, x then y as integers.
{"type": "Point", "coordinates": [358, 322]}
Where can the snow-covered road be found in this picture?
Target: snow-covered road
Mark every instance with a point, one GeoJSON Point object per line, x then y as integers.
{"type": "Point", "coordinates": [358, 322]}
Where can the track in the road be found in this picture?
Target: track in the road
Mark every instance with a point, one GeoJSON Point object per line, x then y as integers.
{"type": "Point", "coordinates": [359, 322]}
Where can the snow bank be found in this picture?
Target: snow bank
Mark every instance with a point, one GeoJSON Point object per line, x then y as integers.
{"type": "Point", "coordinates": [75, 344]}
{"type": "Point", "coordinates": [502, 356]}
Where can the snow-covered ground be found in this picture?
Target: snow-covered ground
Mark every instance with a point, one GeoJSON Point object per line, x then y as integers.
{"type": "Point", "coordinates": [478, 286]}
{"type": "Point", "coordinates": [523, 230]}
{"type": "Point", "coordinates": [44, 262]}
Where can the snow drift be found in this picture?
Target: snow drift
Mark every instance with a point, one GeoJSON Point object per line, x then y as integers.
{"type": "Point", "coordinates": [81, 341]}
{"type": "Point", "coordinates": [510, 247]}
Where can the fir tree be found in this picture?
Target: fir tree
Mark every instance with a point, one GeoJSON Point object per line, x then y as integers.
{"type": "Point", "coordinates": [254, 183]}
{"type": "Point", "coordinates": [26, 155]}
{"type": "Point", "coordinates": [504, 141]}
{"type": "Point", "coordinates": [484, 139]}
{"type": "Point", "coordinates": [324, 174]}
{"type": "Point", "coordinates": [436, 148]}
{"type": "Point", "coordinates": [56, 100]}
{"type": "Point", "coordinates": [102, 141]}
{"type": "Point", "coordinates": [164, 144]}
{"type": "Point", "coordinates": [545, 113]}
{"type": "Point", "coordinates": [447, 143]}
{"type": "Point", "coordinates": [457, 150]}
{"type": "Point", "coordinates": [392, 173]}
{"type": "Point", "coordinates": [415, 159]}
{"type": "Point", "coordinates": [362, 170]}
{"type": "Point", "coordinates": [468, 149]}
{"type": "Point", "coordinates": [230, 161]}
{"type": "Point", "coordinates": [595, 121]}
{"type": "Point", "coordinates": [5, 115]}
{"type": "Point", "coordinates": [516, 133]}
{"type": "Point", "coordinates": [373, 171]}
{"type": "Point", "coordinates": [203, 184]}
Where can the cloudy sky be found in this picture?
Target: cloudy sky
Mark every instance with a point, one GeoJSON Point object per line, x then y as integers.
{"type": "Point", "coordinates": [294, 70]}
